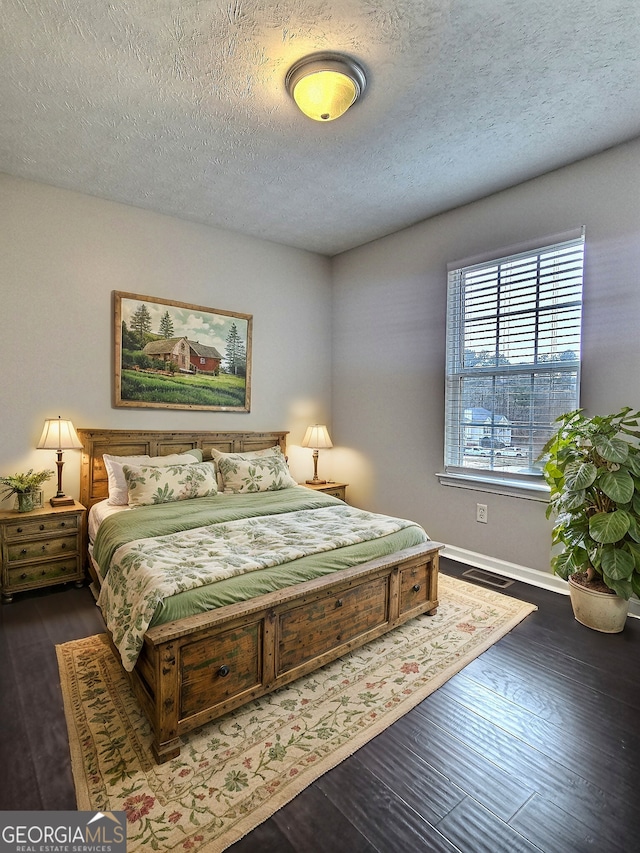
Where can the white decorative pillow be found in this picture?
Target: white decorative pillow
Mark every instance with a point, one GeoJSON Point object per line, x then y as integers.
{"type": "Point", "coordinates": [268, 473]}
{"type": "Point", "coordinates": [247, 454]}
{"type": "Point", "coordinates": [178, 458]}
{"type": "Point", "coordinates": [118, 495]}
{"type": "Point", "coordinates": [159, 484]}
{"type": "Point", "coordinates": [217, 455]}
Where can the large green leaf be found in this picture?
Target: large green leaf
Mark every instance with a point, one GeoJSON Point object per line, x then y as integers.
{"type": "Point", "coordinates": [634, 550]}
{"type": "Point", "coordinates": [617, 485]}
{"type": "Point", "coordinates": [609, 527]}
{"type": "Point", "coordinates": [617, 563]}
{"type": "Point", "coordinates": [633, 461]}
{"type": "Point", "coordinates": [595, 556]}
{"type": "Point", "coordinates": [623, 588]}
{"type": "Point", "coordinates": [634, 528]}
{"type": "Point", "coordinates": [573, 500]}
{"type": "Point", "coordinates": [568, 562]}
{"type": "Point", "coordinates": [612, 449]}
{"type": "Point", "coordinates": [579, 475]}
{"type": "Point", "coordinates": [570, 530]}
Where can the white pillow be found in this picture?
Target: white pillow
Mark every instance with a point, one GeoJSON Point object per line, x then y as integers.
{"type": "Point", "coordinates": [118, 495]}
{"type": "Point", "coordinates": [248, 454]}
{"type": "Point", "coordinates": [160, 484]}
{"type": "Point", "coordinates": [178, 458]}
{"type": "Point", "coordinates": [258, 474]}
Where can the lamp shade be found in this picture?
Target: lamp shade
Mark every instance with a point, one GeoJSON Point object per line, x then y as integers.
{"type": "Point", "coordinates": [325, 95]}
{"type": "Point", "coordinates": [325, 85]}
{"type": "Point", "coordinates": [59, 434]}
{"type": "Point", "coordinates": [317, 435]}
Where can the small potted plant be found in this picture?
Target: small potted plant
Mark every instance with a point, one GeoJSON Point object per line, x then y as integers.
{"type": "Point", "coordinates": [25, 486]}
{"type": "Point", "coordinates": [592, 465]}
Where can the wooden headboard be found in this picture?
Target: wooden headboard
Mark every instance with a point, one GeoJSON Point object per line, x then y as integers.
{"type": "Point", "coordinates": [95, 442]}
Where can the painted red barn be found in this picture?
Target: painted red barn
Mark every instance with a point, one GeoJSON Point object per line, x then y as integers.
{"type": "Point", "coordinates": [185, 354]}
{"type": "Point", "coordinates": [203, 358]}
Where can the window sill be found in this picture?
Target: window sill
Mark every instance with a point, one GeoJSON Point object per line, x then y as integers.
{"type": "Point", "coordinates": [536, 490]}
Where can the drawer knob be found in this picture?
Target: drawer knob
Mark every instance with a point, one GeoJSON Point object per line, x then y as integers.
{"type": "Point", "coordinates": [24, 551]}
{"type": "Point", "coordinates": [23, 575]}
{"type": "Point", "coordinates": [42, 527]}
{"type": "Point", "coordinates": [416, 587]}
{"type": "Point", "coordinates": [224, 671]}
{"type": "Point", "coordinates": [19, 530]}
{"type": "Point", "coordinates": [339, 603]}
{"type": "Point", "coordinates": [63, 523]}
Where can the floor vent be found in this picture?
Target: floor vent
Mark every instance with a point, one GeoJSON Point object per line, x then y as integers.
{"type": "Point", "coordinates": [486, 577]}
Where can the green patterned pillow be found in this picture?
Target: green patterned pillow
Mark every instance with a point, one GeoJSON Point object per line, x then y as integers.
{"type": "Point", "coordinates": [218, 455]}
{"type": "Point", "coordinates": [260, 474]}
{"type": "Point", "coordinates": [118, 495]}
{"type": "Point", "coordinates": [162, 484]}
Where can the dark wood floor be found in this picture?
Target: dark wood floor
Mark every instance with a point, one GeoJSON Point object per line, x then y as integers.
{"type": "Point", "coordinates": [533, 746]}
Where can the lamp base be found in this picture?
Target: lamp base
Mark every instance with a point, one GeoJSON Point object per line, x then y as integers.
{"type": "Point", "coordinates": [62, 500]}
{"type": "Point", "coordinates": [316, 482]}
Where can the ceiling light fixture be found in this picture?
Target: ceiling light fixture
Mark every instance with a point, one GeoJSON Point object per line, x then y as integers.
{"type": "Point", "coordinates": [325, 85]}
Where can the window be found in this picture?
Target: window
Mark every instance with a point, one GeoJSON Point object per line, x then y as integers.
{"type": "Point", "coordinates": [513, 358]}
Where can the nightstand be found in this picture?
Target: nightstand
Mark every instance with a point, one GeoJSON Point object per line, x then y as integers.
{"type": "Point", "coordinates": [336, 490]}
{"type": "Point", "coordinates": [41, 548]}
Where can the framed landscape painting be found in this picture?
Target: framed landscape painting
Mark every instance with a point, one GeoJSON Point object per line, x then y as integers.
{"type": "Point", "coordinates": [172, 355]}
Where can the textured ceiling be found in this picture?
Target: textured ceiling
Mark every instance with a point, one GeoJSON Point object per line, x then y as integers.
{"type": "Point", "coordinates": [179, 106]}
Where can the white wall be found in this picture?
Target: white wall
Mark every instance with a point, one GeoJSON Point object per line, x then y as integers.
{"type": "Point", "coordinates": [389, 345]}
{"type": "Point", "coordinates": [61, 256]}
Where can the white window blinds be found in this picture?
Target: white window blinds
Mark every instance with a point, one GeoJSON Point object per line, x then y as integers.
{"type": "Point", "coordinates": [513, 356]}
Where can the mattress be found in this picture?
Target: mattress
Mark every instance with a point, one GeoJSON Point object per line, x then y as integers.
{"type": "Point", "coordinates": [98, 513]}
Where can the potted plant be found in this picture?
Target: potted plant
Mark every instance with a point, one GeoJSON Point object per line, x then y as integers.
{"type": "Point", "coordinates": [592, 465]}
{"type": "Point", "coordinates": [25, 486]}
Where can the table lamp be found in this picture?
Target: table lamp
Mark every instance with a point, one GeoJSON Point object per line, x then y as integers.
{"type": "Point", "coordinates": [316, 436]}
{"type": "Point", "coordinates": [59, 434]}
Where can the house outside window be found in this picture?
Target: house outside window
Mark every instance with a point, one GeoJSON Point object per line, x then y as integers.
{"type": "Point", "coordinates": [513, 358]}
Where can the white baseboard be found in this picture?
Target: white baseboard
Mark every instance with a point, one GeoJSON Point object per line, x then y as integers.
{"type": "Point", "coordinates": [519, 573]}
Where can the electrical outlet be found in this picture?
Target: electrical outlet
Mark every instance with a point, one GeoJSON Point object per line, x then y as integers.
{"type": "Point", "coordinates": [481, 513]}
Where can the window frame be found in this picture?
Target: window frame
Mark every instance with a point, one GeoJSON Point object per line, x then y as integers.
{"type": "Point", "coordinates": [524, 483]}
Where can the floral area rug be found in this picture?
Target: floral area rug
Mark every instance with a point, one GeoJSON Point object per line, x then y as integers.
{"type": "Point", "coordinates": [237, 771]}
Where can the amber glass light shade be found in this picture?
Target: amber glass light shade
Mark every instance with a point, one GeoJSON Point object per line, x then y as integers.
{"type": "Point", "coordinates": [325, 85]}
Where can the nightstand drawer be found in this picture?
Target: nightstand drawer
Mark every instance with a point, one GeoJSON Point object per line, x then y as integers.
{"type": "Point", "coordinates": [41, 574]}
{"type": "Point", "coordinates": [34, 526]}
{"type": "Point", "coordinates": [338, 492]}
{"type": "Point", "coordinates": [41, 548]}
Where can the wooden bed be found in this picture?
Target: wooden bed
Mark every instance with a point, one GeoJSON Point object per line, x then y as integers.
{"type": "Point", "coordinates": [195, 669]}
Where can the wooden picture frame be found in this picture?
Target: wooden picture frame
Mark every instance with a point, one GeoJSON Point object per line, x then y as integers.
{"type": "Point", "coordinates": [174, 355]}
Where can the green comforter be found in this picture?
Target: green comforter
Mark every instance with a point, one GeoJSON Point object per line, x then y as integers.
{"type": "Point", "coordinates": [164, 562]}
